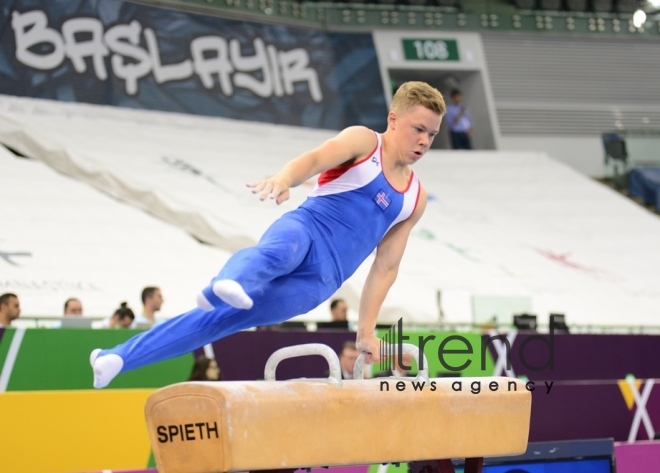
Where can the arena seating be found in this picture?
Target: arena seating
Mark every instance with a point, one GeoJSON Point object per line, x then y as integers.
{"type": "Point", "coordinates": [101, 250]}
{"type": "Point", "coordinates": [497, 223]}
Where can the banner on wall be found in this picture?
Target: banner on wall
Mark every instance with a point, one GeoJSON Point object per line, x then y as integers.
{"type": "Point", "coordinates": [118, 53]}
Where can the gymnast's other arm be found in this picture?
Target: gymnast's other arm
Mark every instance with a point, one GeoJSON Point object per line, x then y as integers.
{"type": "Point", "coordinates": [381, 276]}
{"type": "Point", "coordinates": [351, 143]}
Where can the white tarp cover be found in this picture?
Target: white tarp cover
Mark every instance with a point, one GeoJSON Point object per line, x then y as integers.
{"type": "Point", "coordinates": [60, 238]}
{"type": "Point", "coordinates": [500, 224]}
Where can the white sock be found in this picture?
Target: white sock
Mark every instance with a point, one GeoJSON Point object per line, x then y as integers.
{"type": "Point", "coordinates": [105, 368]}
{"type": "Point", "coordinates": [232, 293]}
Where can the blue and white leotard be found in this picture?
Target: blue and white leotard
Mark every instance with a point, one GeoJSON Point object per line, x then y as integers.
{"type": "Point", "coordinates": [301, 260]}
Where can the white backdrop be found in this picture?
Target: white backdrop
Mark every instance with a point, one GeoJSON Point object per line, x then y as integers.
{"type": "Point", "coordinates": [60, 239]}
{"type": "Point", "coordinates": [508, 224]}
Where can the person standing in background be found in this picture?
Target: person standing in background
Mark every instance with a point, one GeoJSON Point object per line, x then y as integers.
{"type": "Point", "coordinates": [152, 300]}
{"type": "Point", "coordinates": [459, 121]}
{"type": "Point", "coordinates": [10, 309]}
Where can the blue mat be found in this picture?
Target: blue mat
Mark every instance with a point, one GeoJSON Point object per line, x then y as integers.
{"type": "Point", "coordinates": [644, 183]}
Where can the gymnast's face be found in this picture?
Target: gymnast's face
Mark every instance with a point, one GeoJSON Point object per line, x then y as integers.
{"type": "Point", "coordinates": [414, 130]}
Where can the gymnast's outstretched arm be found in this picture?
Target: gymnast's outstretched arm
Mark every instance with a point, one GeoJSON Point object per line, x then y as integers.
{"type": "Point", "coordinates": [382, 275]}
{"type": "Point", "coordinates": [349, 144]}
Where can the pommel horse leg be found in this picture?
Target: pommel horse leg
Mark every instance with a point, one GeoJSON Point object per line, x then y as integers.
{"type": "Point", "coordinates": [282, 426]}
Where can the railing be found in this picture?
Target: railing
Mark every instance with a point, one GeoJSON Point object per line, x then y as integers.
{"type": "Point", "coordinates": [45, 321]}
{"type": "Point", "coordinates": [32, 321]}
{"type": "Point", "coordinates": [474, 15]}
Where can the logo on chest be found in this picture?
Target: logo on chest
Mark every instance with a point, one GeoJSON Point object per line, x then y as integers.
{"type": "Point", "coordinates": [382, 200]}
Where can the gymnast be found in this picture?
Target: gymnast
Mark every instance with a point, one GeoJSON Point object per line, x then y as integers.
{"type": "Point", "coordinates": [366, 198]}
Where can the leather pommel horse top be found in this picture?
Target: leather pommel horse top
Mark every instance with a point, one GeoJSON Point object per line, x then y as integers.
{"type": "Point", "coordinates": [201, 427]}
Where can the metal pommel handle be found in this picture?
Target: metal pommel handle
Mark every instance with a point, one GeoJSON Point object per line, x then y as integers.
{"type": "Point", "coordinates": [407, 348]}
{"type": "Point", "coordinates": [304, 350]}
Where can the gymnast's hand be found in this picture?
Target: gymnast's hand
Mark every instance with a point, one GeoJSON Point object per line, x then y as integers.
{"type": "Point", "coordinates": [369, 345]}
{"type": "Point", "coordinates": [275, 187]}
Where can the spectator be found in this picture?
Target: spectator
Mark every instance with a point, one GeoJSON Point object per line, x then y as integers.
{"type": "Point", "coordinates": [122, 318]}
{"type": "Point", "coordinates": [339, 315]}
{"type": "Point", "coordinates": [459, 120]}
{"type": "Point", "coordinates": [152, 299]}
{"type": "Point", "coordinates": [10, 309]}
{"type": "Point", "coordinates": [347, 358]}
{"type": "Point", "coordinates": [339, 310]}
{"type": "Point", "coordinates": [205, 369]}
{"type": "Point", "coordinates": [73, 307]}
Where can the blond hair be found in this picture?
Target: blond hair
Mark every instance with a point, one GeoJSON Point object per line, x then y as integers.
{"type": "Point", "coordinates": [414, 93]}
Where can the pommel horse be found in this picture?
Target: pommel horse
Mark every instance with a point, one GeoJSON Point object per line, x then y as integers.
{"type": "Point", "coordinates": [232, 426]}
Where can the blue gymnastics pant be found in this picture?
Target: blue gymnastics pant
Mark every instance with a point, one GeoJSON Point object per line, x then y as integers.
{"type": "Point", "coordinates": [289, 272]}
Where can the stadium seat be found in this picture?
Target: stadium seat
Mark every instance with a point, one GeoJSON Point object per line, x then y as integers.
{"type": "Point", "coordinates": [447, 3]}
{"type": "Point", "coordinates": [525, 4]}
{"type": "Point", "coordinates": [525, 322]}
{"type": "Point", "coordinates": [602, 6]}
{"type": "Point", "coordinates": [577, 5]}
{"type": "Point", "coordinates": [552, 5]}
{"type": "Point", "coordinates": [626, 6]}
{"type": "Point", "coordinates": [615, 147]}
